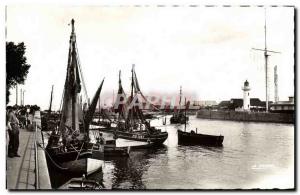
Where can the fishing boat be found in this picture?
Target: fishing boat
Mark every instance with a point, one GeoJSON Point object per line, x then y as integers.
{"type": "Point", "coordinates": [49, 119]}
{"type": "Point", "coordinates": [103, 119]}
{"type": "Point", "coordinates": [70, 140]}
{"type": "Point", "coordinates": [179, 116]}
{"type": "Point", "coordinates": [195, 138]}
{"type": "Point", "coordinates": [131, 123]}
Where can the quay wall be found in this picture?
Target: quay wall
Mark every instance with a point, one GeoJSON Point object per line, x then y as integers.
{"type": "Point", "coordinates": [29, 171]}
{"type": "Point", "coordinates": [43, 176]}
{"type": "Point", "coordinates": [247, 116]}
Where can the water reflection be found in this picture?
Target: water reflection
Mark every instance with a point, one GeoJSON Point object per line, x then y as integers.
{"type": "Point", "coordinates": [251, 152]}
{"type": "Point", "coordinates": [128, 173]}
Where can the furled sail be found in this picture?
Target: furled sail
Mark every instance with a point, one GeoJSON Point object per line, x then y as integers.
{"type": "Point", "coordinates": [72, 88]}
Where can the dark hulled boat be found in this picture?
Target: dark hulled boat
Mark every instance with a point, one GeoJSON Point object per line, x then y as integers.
{"type": "Point", "coordinates": [192, 138]}
{"type": "Point", "coordinates": [195, 138]}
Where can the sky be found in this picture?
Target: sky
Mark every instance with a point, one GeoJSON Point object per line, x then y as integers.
{"type": "Point", "coordinates": [206, 50]}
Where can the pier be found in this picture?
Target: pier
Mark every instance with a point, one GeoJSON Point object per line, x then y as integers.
{"type": "Point", "coordinates": [247, 116]}
{"type": "Point", "coordinates": [30, 171]}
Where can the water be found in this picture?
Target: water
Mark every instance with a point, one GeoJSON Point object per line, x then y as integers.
{"type": "Point", "coordinates": [254, 155]}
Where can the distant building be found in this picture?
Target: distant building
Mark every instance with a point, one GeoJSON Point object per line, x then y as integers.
{"type": "Point", "coordinates": [224, 105]}
{"type": "Point", "coordinates": [283, 106]}
{"type": "Point", "coordinates": [205, 103]}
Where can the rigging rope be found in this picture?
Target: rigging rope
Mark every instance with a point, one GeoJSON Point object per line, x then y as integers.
{"type": "Point", "coordinates": [81, 74]}
{"type": "Point", "coordinates": [63, 168]}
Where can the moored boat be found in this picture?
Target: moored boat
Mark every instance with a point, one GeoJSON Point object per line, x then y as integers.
{"type": "Point", "coordinates": [70, 141]}
{"type": "Point", "coordinates": [179, 117]}
{"type": "Point", "coordinates": [192, 138]}
{"type": "Point", "coordinates": [131, 123]}
{"type": "Point", "coordinates": [195, 138]}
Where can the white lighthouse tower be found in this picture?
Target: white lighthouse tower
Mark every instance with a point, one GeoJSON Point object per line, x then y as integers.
{"type": "Point", "coordinates": [246, 90]}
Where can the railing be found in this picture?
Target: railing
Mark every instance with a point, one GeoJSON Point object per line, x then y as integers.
{"type": "Point", "coordinates": [36, 170]}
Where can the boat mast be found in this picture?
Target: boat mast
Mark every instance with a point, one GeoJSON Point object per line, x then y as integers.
{"type": "Point", "coordinates": [132, 81]}
{"type": "Point", "coordinates": [132, 85]}
{"type": "Point", "coordinates": [74, 95]}
{"type": "Point", "coordinates": [180, 94]}
{"type": "Point", "coordinates": [50, 105]}
{"type": "Point", "coordinates": [113, 97]}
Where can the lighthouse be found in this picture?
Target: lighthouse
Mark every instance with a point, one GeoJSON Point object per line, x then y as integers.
{"type": "Point", "coordinates": [246, 90]}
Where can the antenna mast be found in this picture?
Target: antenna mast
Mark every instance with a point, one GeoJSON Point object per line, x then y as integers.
{"type": "Point", "coordinates": [276, 98]}
{"type": "Point", "coordinates": [266, 65]}
{"type": "Point", "coordinates": [266, 54]}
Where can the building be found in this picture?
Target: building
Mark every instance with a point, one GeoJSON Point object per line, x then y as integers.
{"type": "Point", "coordinates": [204, 103]}
{"type": "Point", "coordinates": [283, 106]}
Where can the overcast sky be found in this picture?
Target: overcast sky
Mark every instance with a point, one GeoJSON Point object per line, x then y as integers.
{"type": "Point", "coordinates": [206, 50]}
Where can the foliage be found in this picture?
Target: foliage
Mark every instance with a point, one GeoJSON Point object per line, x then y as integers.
{"type": "Point", "coordinates": [16, 66]}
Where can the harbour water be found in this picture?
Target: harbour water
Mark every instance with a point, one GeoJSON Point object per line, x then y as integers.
{"type": "Point", "coordinates": [254, 155]}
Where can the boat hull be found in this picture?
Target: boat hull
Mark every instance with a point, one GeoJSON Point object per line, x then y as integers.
{"type": "Point", "coordinates": [153, 139]}
{"type": "Point", "coordinates": [186, 138]}
{"type": "Point", "coordinates": [81, 184]}
{"type": "Point", "coordinates": [85, 166]}
{"type": "Point", "coordinates": [176, 120]}
{"type": "Point", "coordinates": [96, 152]}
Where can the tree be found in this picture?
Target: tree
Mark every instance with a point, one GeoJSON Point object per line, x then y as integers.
{"type": "Point", "coordinates": [16, 66]}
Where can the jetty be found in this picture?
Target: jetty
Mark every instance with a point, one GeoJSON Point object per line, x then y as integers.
{"type": "Point", "coordinates": [30, 171]}
{"type": "Point", "coordinates": [247, 116]}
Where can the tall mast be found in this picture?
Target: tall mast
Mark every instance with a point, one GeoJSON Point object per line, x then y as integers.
{"type": "Point", "coordinates": [266, 65]}
{"type": "Point", "coordinates": [180, 94]}
{"type": "Point", "coordinates": [74, 96]}
{"type": "Point", "coordinates": [266, 54]}
{"type": "Point", "coordinates": [276, 99]}
{"type": "Point", "coordinates": [131, 113]}
{"type": "Point", "coordinates": [132, 81]}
